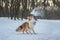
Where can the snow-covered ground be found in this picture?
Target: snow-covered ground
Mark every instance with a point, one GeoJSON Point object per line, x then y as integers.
{"type": "Point", "coordinates": [45, 29]}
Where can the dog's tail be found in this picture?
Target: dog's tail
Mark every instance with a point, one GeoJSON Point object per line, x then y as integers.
{"type": "Point", "coordinates": [19, 28]}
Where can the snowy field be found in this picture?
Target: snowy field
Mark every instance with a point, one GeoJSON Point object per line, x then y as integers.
{"type": "Point", "coordinates": [45, 29]}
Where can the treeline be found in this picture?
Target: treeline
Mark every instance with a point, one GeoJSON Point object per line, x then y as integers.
{"type": "Point", "coordinates": [22, 8]}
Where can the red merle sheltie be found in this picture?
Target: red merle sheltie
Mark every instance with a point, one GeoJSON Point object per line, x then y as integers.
{"type": "Point", "coordinates": [27, 26]}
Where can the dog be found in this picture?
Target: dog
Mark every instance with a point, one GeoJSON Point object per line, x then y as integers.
{"type": "Point", "coordinates": [28, 26]}
{"type": "Point", "coordinates": [23, 28]}
{"type": "Point", "coordinates": [32, 23]}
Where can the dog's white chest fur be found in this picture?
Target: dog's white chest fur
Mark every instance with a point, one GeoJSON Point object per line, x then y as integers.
{"type": "Point", "coordinates": [31, 23]}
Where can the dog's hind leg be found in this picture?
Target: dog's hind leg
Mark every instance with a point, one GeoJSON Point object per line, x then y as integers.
{"type": "Point", "coordinates": [23, 32]}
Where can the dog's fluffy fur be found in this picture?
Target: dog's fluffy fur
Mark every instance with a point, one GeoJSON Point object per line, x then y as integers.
{"type": "Point", "coordinates": [27, 26]}
{"type": "Point", "coordinates": [23, 27]}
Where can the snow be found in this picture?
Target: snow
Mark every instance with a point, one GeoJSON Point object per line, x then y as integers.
{"type": "Point", "coordinates": [45, 29]}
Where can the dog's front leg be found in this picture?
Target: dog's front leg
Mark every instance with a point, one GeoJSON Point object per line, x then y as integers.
{"type": "Point", "coordinates": [30, 31]}
{"type": "Point", "coordinates": [27, 31]}
{"type": "Point", "coordinates": [33, 31]}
